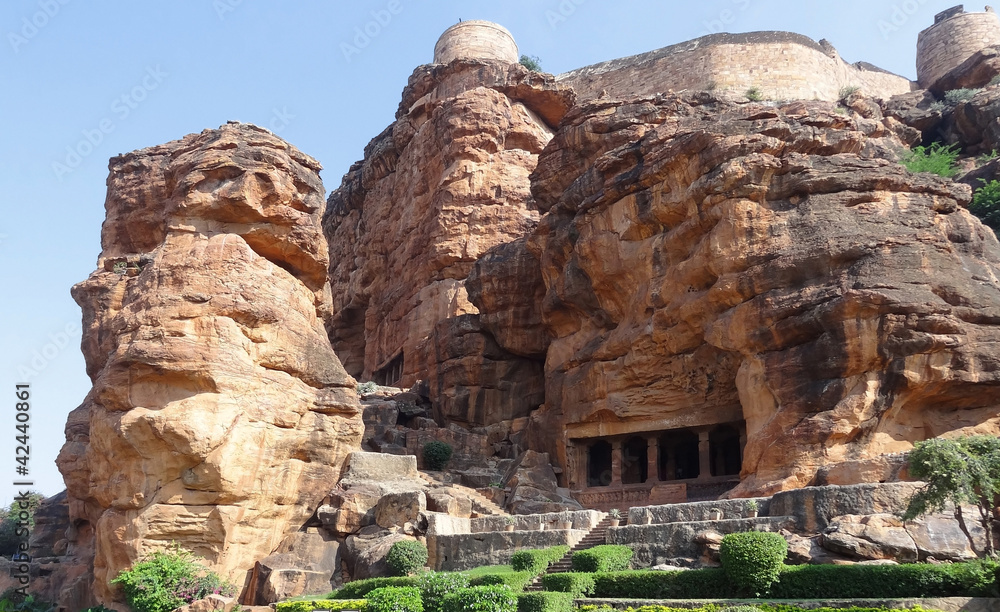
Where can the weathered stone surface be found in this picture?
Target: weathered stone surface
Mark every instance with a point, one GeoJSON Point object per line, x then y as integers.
{"type": "Point", "coordinates": [466, 551]}
{"type": "Point", "coordinates": [212, 603]}
{"type": "Point", "coordinates": [708, 263]}
{"type": "Point", "coordinates": [450, 504]}
{"type": "Point", "coordinates": [975, 125]}
{"type": "Point", "coordinates": [815, 507]}
{"type": "Point", "coordinates": [365, 554]}
{"type": "Point", "coordinates": [397, 509]}
{"type": "Point", "coordinates": [879, 536]}
{"type": "Point", "coordinates": [306, 563]}
{"type": "Point", "coordinates": [506, 286]}
{"type": "Point", "coordinates": [533, 487]}
{"type": "Point", "coordinates": [975, 72]}
{"type": "Point", "coordinates": [378, 467]}
{"type": "Point", "coordinates": [916, 109]}
{"type": "Point", "coordinates": [437, 189]}
{"type": "Point", "coordinates": [219, 412]}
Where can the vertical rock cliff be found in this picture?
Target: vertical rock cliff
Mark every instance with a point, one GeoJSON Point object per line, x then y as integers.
{"type": "Point", "coordinates": [219, 415]}
{"type": "Point", "coordinates": [437, 189]}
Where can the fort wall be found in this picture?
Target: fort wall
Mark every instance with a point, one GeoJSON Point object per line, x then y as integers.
{"type": "Point", "coordinates": [954, 38]}
{"type": "Point", "coordinates": [780, 65]}
{"type": "Point", "coordinates": [477, 40]}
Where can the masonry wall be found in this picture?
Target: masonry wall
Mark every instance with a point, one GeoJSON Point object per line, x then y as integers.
{"type": "Point", "coordinates": [475, 39]}
{"type": "Point", "coordinates": [946, 44]}
{"type": "Point", "coordinates": [781, 65]}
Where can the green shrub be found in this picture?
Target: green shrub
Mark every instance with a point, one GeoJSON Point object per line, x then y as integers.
{"type": "Point", "coordinates": [167, 580]}
{"type": "Point", "coordinates": [576, 584]}
{"type": "Point", "coordinates": [754, 94]}
{"type": "Point", "coordinates": [544, 602]}
{"type": "Point", "coordinates": [649, 584]}
{"type": "Point", "coordinates": [986, 204]}
{"type": "Point", "coordinates": [603, 558]}
{"type": "Point", "coordinates": [537, 560]}
{"type": "Point", "coordinates": [531, 62]}
{"type": "Point", "coordinates": [493, 598]}
{"type": "Point", "coordinates": [12, 601]}
{"type": "Point", "coordinates": [514, 580]}
{"type": "Point", "coordinates": [435, 585]}
{"type": "Point", "coordinates": [436, 455]}
{"type": "Point", "coordinates": [752, 560]}
{"type": "Point", "coordinates": [395, 599]}
{"type": "Point", "coordinates": [847, 90]}
{"type": "Point", "coordinates": [358, 589]}
{"type": "Point", "coordinates": [937, 159]}
{"type": "Point", "coordinates": [971, 579]}
{"type": "Point", "coordinates": [367, 388]}
{"type": "Point", "coordinates": [308, 605]}
{"type": "Point", "coordinates": [406, 557]}
{"type": "Point", "coordinates": [12, 530]}
{"type": "Point", "coordinates": [957, 96]}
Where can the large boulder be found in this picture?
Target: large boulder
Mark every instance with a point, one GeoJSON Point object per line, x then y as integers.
{"type": "Point", "coordinates": [219, 413]}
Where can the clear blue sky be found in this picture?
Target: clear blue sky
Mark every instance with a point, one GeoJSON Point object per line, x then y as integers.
{"type": "Point", "coordinates": [187, 65]}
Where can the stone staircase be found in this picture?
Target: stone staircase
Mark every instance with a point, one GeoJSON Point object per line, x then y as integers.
{"type": "Point", "coordinates": [481, 506]}
{"type": "Point", "coordinates": [594, 537]}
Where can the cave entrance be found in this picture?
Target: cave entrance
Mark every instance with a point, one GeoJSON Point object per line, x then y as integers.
{"type": "Point", "coordinates": [634, 460]}
{"type": "Point", "coordinates": [391, 373]}
{"type": "Point", "coordinates": [725, 451]}
{"type": "Point", "coordinates": [679, 458]}
{"type": "Point", "coordinates": [599, 464]}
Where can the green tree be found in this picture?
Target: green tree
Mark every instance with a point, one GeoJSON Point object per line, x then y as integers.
{"type": "Point", "coordinates": [960, 471]}
{"type": "Point", "coordinates": [986, 204]}
{"type": "Point", "coordinates": [12, 527]}
{"type": "Point", "coordinates": [531, 62]}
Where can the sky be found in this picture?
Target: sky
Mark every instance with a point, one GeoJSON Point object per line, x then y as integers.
{"type": "Point", "coordinates": [87, 80]}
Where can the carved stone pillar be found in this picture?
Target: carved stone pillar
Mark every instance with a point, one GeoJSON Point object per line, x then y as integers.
{"type": "Point", "coordinates": [652, 460]}
{"type": "Point", "coordinates": [704, 456]}
{"type": "Point", "coordinates": [616, 463]}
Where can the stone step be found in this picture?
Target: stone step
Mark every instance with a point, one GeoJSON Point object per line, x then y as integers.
{"type": "Point", "coordinates": [480, 504]}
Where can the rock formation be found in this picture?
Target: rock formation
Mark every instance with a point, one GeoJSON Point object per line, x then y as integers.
{"type": "Point", "coordinates": [437, 189]}
{"type": "Point", "coordinates": [220, 415]}
{"type": "Point", "coordinates": [708, 262]}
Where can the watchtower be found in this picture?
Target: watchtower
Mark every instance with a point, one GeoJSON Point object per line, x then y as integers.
{"type": "Point", "coordinates": [955, 37]}
{"type": "Point", "coordinates": [477, 40]}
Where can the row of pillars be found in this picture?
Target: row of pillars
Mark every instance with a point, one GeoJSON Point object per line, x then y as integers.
{"type": "Point", "coordinates": [653, 459]}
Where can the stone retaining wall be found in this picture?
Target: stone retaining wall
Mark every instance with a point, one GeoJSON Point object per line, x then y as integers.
{"type": "Point", "coordinates": [466, 551]}
{"type": "Point", "coordinates": [668, 542]}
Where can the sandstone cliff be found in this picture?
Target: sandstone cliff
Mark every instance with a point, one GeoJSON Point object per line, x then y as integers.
{"type": "Point", "coordinates": [220, 415]}
{"type": "Point", "coordinates": [706, 262]}
{"type": "Point", "coordinates": [437, 189]}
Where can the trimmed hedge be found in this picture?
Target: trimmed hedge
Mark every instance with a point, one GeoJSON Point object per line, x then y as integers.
{"type": "Point", "coordinates": [515, 580]}
{"type": "Point", "coordinates": [753, 559]}
{"type": "Point", "coordinates": [576, 584]}
{"type": "Point", "coordinates": [395, 599]}
{"type": "Point", "coordinates": [308, 605]}
{"type": "Point", "coordinates": [763, 607]}
{"type": "Point", "coordinates": [435, 586]}
{"type": "Point", "coordinates": [603, 558]}
{"type": "Point", "coordinates": [357, 589]}
{"type": "Point", "coordinates": [481, 599]}
{"type": "Point", "coordinates": [537, 560]}
{"type": "Point", "coordinates": [406, 557]}
{"type": "Point", "coordinates": [971, 579]}
{"type": "Point", "coordinates": [544, 602]}
{"type": "Point", "coordinates": [649, 584]}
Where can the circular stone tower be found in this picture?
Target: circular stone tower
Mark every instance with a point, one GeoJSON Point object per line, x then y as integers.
{"type": "Point", "coordinates": [476, 40]}
{"type": "Point", "coordinates": [954, 38]}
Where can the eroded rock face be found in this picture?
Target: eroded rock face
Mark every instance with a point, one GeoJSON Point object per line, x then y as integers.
{"type": "Point", "coordinates": [707, 263]}
{"type": "Point", "coordinates": [437, 189]}
{"type": "Point", "coordinates": [220, 415]}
